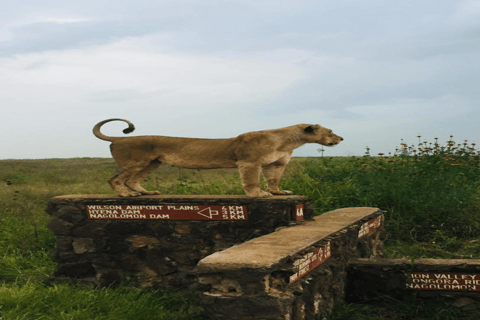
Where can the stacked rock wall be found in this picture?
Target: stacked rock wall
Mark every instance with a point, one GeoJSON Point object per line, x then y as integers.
{"type": "Point", "coordinates": [294, 273]}
{"type": "Point", "coordinates": [158, 240]}
{"type": "Point", "coordinates": [251, 258]}
{"type": "Point", "coordinates": [427, 278]}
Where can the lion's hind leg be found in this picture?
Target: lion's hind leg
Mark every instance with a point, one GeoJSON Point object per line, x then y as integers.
{"type": "Point", "coordinates": [134, 182]}
{"type": "Point", "coordinates": [118, 182]}
{"type": "Point", "coordinates": [129, 177]}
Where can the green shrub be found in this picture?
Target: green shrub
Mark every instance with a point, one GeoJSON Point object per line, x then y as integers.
{"type": "Point", "coordinates": [424, 192]}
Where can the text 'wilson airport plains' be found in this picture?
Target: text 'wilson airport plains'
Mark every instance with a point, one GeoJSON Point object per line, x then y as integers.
{"type": "Point", "coordinates": [167, 212]}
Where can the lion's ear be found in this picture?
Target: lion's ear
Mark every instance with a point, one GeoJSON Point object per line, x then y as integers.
{"type": "Point", "coordinates": [309, 129]}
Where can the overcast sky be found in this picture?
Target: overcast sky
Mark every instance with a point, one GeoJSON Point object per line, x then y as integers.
{"type": "Point", "coordinates": [374, 71]}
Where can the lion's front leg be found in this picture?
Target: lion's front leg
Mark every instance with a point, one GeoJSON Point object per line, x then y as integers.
{"type": "Point", "coordinates": [250, 175]}
{"type": "Point", "coordinates": [273, 173]}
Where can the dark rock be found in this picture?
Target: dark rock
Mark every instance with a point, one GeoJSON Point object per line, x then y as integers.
{"type": "Point", "coordinates": [72, 213]}
{"type": "Point", "coordinates": [108, 277]}
{"type": "Point", "coordinates": [60, 227]}
{"type": "Point", "coordinates": [75, 269]}
{"type": "Point", "coordinates": [90, 229]}
{"type": "Point", "coordinates": [257, 307]}
{"type": "Point", "coordinates": [138, 241]}
{"type": "Point", "coordinates": [83, 245]}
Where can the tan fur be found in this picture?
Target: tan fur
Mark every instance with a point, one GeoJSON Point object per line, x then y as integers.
{"type": "Point", "coordinates": [267, 151]}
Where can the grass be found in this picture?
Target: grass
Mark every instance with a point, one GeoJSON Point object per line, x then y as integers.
{"type": "Point", "coordinates": [430, 194]}
{"type": "Point", "coordinates": [410, 308]}
{"type": "Point", "coordinates": [33, 301]}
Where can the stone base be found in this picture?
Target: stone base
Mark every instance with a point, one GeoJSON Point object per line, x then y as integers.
{"type": "Point", "coordinates": [425, 277]}
{"type": "Point", "coordinates": [108, 239]}
{"type": "Point", "coordinates": [292, 274]}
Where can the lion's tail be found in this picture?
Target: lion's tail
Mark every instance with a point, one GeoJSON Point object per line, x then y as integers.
{"type": "Point", "coordinates": [99, 135]}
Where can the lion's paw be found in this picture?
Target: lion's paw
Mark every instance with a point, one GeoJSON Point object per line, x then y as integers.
{"type": "Point", "coordinates": [260, 194]}
{"type": "Point", "coordinates": [133, 194]}
{"type": "Point", "coordinates": [150, 192]}
{"type": "Point", "coordinates": [282, 192]}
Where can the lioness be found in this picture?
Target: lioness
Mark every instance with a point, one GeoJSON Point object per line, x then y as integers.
{"type": "Point", "coordinates": [268, 151]}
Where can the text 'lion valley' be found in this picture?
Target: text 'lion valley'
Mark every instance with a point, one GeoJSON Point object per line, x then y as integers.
{"type": "Point", "coordinates": [166, 212]}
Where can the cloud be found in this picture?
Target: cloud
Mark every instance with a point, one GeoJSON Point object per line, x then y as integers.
{"type": "Point", "coordinates": [61, 20]}
{"type": "Point", "coordinates": [127, 65]}
{"type": "Point", "coordinates": [467, 13]}
{"type": "Point", "coordinates": [132, 77]}
{"type": "Point", "coordinates": [413, 110]}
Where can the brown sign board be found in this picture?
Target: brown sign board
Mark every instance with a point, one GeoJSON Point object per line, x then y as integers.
{"type": "Point", "coordinates": [167, 212]}
{"type": "Point", "coordinates": [370, 226]}
{"type": "Point", "coordinates": [310, 261]}
{"type": "Point", "coordinates": [439, 281]}
{"type": "Point", "coordinates": [297, 212]}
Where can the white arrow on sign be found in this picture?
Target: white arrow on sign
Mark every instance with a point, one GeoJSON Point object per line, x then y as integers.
{"type": "Point", "coordinates": [210, 213]}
